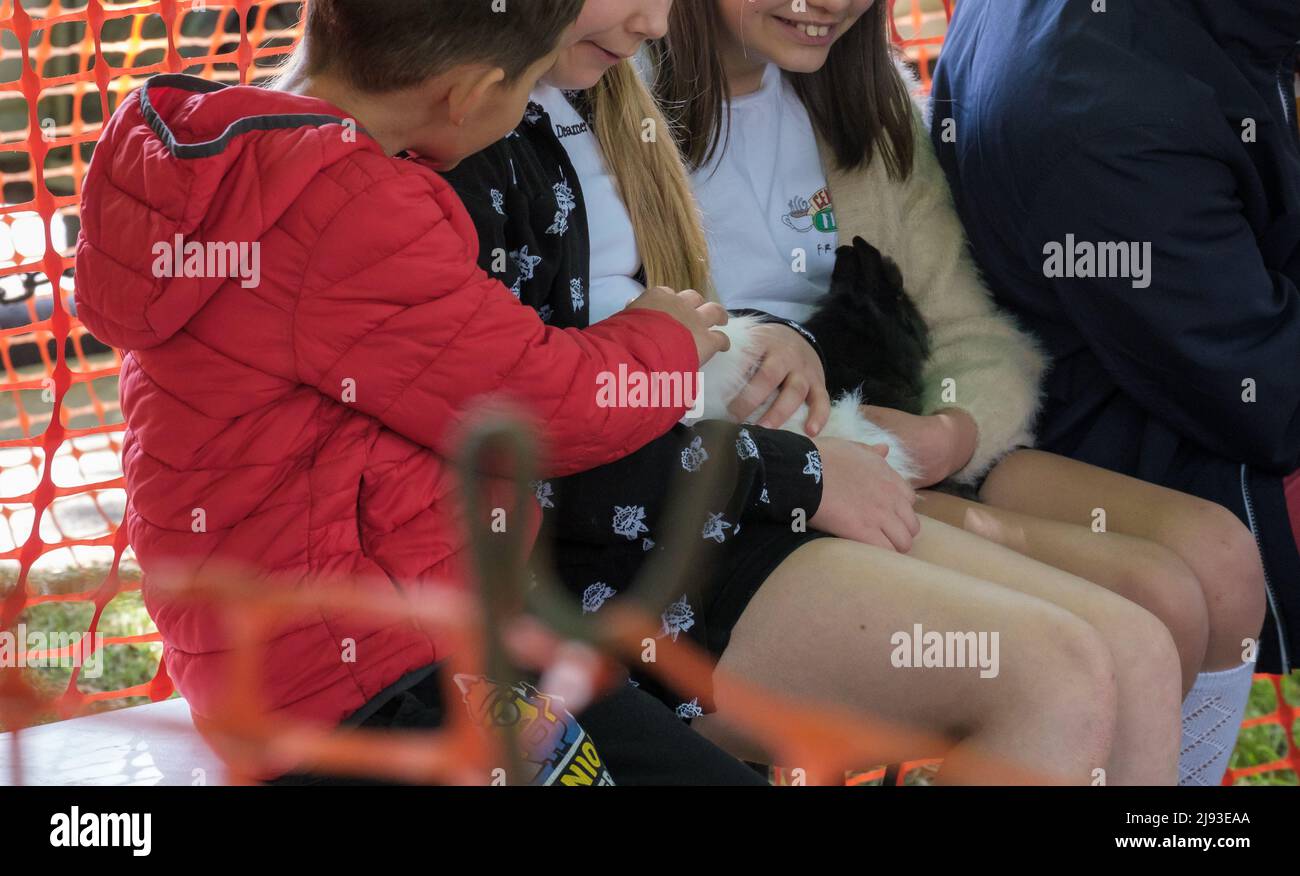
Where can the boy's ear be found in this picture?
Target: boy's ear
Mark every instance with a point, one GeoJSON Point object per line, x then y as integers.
{"type": "Point", "coordinates": [469, 90]}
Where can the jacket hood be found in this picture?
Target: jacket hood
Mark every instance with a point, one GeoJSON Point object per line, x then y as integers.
{"type": "Point", "coordinates": [186, 178]}
{"type": "Point", "coordinates": [1261, 28]}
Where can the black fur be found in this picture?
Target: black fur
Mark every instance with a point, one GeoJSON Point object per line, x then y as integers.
{"type": "Point", "coordinates": [871, 332]}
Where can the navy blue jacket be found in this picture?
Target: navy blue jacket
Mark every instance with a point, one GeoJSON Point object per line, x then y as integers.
{"type": "Point", "coordinates": [1161, 122]}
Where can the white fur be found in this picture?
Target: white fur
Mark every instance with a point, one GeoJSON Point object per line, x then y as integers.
{"type": "Point", "coordinates": [726, 374]}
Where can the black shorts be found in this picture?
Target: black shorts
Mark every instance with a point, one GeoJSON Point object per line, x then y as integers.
{"type": "Point", "coordinates": [639, 740]}
{"type": "Point", "coordinates": [727, 580]}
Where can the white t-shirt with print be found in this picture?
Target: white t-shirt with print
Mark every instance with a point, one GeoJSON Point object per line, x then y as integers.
{"type": "Point", "coordinates": [615, 260]}
{"type": "Point", "coordinates": [767, 211]}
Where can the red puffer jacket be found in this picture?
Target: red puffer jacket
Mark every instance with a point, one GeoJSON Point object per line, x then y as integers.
{"type": "Point", "coordinates": [302, 419]}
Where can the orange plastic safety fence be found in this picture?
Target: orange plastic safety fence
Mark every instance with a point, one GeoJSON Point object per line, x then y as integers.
{"type": "Point", "coordinates": [65, 65]}
{"type": "Point", "coordinates": [918, 27]}
{"type": "Point", "coordinates": [1283, 716]}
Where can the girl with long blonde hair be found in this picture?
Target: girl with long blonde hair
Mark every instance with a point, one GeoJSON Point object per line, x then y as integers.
{"type": "Point", "coordinates": [586, 203]}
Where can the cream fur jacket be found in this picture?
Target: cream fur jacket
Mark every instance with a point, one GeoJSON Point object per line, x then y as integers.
{"type": "Point", "coordinates": [980, 360]}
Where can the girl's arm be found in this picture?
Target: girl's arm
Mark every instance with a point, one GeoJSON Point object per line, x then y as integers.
{"type": "Point", "coordinates": [980, 361]}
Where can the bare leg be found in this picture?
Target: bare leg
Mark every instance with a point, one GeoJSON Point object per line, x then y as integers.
{"type": "Point", "coordinates": [1139, 570]}
{"type": "Point", "coordinates": [1215, 545]}
{"type": "Point", "coordinates": [821, 627]}
{"type": "Point", "coordinates": [1145, 749]}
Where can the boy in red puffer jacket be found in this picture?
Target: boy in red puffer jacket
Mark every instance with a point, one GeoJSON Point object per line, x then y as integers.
{"type": "Point", "coordinates": [306, 327]}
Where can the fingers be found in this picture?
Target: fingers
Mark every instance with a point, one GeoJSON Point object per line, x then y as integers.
{"type": "Point", "coordinates": [910, 519]}
{"type": "Point", "coordinates": [898, 533]}
{"type": "Point", "coordinates": [714, 314]}
{"type": "Point", "coordinates": [819, 409]}
{"type": "Point", "coordinates": [876, 538]}
{"type": "Point", "coordinates": [793, 393]}
{"type": "Point", "coordinates": [881, 449]}
{"type": "Point", "coordinates": [691, 298]}
{"type": "Point", "coordinates": [759, 389]}
{"type": "Point", "coordinates": [709, 344]}
{"type": "Point", "coordinates": [743, 405]}
{"type": "Point", "coordinates": [901, 524]}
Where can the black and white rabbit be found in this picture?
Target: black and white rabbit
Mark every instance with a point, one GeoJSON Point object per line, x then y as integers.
{"type": "Point", "coordinates": [876, 345]}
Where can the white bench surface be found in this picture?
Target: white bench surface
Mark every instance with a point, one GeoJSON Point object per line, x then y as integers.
{"type": "Point", "coordinates": [154, 744]}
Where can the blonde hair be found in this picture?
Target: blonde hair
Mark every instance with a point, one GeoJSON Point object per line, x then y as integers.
{"type": "Point", "coordinates": [642, 155]}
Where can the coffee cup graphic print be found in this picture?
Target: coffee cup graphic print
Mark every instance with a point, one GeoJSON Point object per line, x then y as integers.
{"type": "Point", "coordinates": [817, 212]}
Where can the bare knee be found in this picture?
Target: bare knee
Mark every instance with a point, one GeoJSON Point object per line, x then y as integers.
{"type": "Point", "coordinates": [1223, 553]}
{"type": "Point", "coordinates": [1087, 690]}
{"type": "Point", "coordinates": [1152, 662]}
{"type": "Point", "coordinates": [1158, 580]}
{"type": "Point", "coordinates": [1067, 682]}
{"type": "Point", "coordinates": [1015, 466]}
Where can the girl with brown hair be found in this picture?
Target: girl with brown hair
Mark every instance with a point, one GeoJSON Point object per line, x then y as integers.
{"type": "Point", "coordinates": [588, 201]}
{"type": "Point", "coordinates": [774, 104]}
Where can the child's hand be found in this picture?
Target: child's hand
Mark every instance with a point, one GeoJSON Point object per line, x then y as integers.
{"type": "Point", "coordinates": [863, 499]}
{"type": "Point", "coordinates": [940, 444]}
{"type": "Point", "coordinates": [690, 309]}
{"type": "Point", "coordinates": [788, 363]}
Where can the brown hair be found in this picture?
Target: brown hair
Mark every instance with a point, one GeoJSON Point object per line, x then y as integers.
{"type": "Point", "coordinates": [644, 158]}
{"type": "Point", "coordinates": [393, 44]}
{"type": "Point", "coordinates": [857, 101]}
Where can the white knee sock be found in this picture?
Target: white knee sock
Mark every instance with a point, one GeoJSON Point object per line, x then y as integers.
{"type": "Point", "coordinates": [1212, 716]}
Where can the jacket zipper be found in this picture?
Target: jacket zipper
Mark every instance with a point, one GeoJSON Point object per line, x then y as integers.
{"type": "Point", "coordinates": [1286, 90]}
{"type": "Point", "coordinates": [1268, 585]}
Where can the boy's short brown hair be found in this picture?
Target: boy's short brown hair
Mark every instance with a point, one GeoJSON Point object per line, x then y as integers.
{"type": "Point", "coordinates": [392, 44]}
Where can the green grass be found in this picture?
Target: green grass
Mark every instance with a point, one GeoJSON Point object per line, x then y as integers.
{"type": "Point", "coordinates": [1268, 742]}
{"type": "Point", "coordinates": [77, 399]}
{"type": "Point", "coordinates": [124, 666]}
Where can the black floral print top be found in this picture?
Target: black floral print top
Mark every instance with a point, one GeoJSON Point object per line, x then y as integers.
{"type": "Point", "coordinates": [526, 202]}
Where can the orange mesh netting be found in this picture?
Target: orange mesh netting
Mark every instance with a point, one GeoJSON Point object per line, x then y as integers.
{"type": "Point", "coordinates": [65, 65]}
